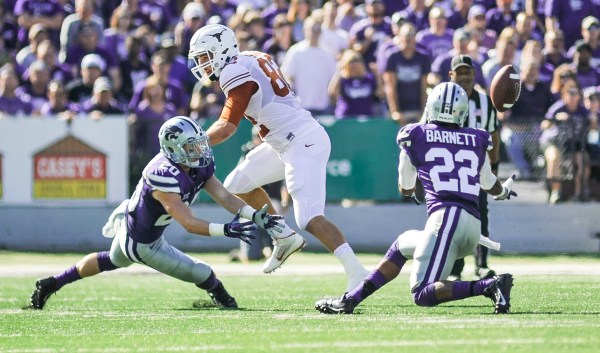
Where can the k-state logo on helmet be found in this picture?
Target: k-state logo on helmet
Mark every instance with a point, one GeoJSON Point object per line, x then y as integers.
{"type": "Point", "coordinates": [172, 132]}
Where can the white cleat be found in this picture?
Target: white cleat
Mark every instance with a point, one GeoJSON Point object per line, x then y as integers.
{"type": "Point", "coordinates": [355, 279]}
{"type": "Point", "coordinates": [283, 248]}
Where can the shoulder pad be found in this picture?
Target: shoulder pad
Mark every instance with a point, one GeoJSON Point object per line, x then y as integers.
{"type": "Point", "coordinates": [233, 75]}
{"type": "Point", "coordinates": [404, 136]}
{"type": "Point", "coordinates": [162, 177]}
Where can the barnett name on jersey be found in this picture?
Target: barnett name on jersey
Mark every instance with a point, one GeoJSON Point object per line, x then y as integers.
{"type": "Point", "coordinates": [448, 162]}
{"type": "Point", "coordinates": [146, 216]}
{"type": "Point", "coordinates": [273, 106]}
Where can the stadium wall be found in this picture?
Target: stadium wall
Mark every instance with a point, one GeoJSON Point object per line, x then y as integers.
{"type": "Point", "coordinates": [521, 228]}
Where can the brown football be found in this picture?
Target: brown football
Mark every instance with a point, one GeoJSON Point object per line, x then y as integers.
{"type": "Point", "coordinates": [505, 88]}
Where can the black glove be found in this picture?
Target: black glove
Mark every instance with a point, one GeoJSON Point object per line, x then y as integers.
{"type": "Point", "coordinates": [235, 229]}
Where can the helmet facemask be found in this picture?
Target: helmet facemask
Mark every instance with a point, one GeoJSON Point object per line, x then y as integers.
{"type": "Point", "coordinates": [184, 142]}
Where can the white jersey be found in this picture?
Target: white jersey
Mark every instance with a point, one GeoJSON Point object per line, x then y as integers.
{"type": "Point", "coordinates": [274, 108]}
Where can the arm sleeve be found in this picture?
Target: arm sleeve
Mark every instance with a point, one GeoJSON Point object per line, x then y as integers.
{"type": "Point", "coordinates": [407, 173]}
{"type": "Point", "coordinates": [487, 179]}
{"type": "Point", "coordinates": [237, 102]}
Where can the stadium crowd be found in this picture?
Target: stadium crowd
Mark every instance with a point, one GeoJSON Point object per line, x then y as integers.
{"type": "Point", "coordinates": [350, 59]}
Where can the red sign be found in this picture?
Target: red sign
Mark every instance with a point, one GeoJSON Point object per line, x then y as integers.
{"type": "Point", "coordinates": [70, 167]}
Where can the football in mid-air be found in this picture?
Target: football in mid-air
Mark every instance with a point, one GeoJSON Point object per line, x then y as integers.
{"type": "Point", "coordinates": [505, 88]}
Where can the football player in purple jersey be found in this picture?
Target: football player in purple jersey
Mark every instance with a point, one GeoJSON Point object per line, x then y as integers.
{"type": "Point", "coordinates": [169, 184]}
{"type": "Point", "coordinates": [452, 164]}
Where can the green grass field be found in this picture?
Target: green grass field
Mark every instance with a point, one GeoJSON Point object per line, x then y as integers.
{"type": "Point", "coordinates": [145, 312]}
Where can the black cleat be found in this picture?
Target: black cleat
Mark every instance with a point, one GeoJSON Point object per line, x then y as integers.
{"type": "Point", "coordinates": [44, 288]}
{"type": "Point", "coordinates": [336, 306]}
{"type": "Point", "coordinates": [499, 292]}
{"type": "Point", "coordinates": [484, 273]}
{"type": "Point", "coordinates": [221, 298]}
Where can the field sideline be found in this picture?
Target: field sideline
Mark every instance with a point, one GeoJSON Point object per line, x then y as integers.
{"type": "Point", "coordinates": [555, 309]}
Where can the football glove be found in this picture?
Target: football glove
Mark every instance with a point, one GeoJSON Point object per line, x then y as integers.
{"type": "Point", "coordinates": [507, 189]}
{"type": "Point", "coordinates": [235, 229]}
{"type": "Point", "coordinates": [266, 221]}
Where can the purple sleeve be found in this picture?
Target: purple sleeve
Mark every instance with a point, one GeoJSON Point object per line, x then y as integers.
{"type": "Point", "coordinates": [137, 95]}
{"type": "Point", "coordinates": [390, 64]}
{"type": "Point", "coordinates": [551, 8]}
{"type": "Point", "coordinates": [21, 6]}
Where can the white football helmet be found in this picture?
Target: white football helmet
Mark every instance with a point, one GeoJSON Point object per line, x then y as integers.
{"type": "Point", "coordinates": [218, 43]}
{"type": "Point", "coordinates": [183, 141]}
{"type": "Point", "coordinates": [447, 103]}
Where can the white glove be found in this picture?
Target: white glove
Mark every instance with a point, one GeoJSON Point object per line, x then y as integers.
{"type": "Point", "coordinates": [507, 189]}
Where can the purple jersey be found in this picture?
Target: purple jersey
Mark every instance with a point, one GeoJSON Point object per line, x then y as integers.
{"type": "Point", "coordinates": [409, 73]}
{"type": "Point", "coordinates": [448, 161]}
{"type": "Point", "coordinates": [434, 45]}
{"type": "Point", "coordinates": [569, 14]}
{"type": "Point", "coordinates": [356, 96]}
{"type": "Point", "coordinates": [382, 31]}
{"type": "Point", "coordinates": [146, 216]}
{"type": "Point", "coordinates": [16, 106]}
{"type": "Point", "coordinates": [45, 8]}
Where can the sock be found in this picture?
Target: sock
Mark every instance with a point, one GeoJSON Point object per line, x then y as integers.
{"type": "Point", "coordinates": [373, 282]}
{"type": "Point", "coordinates": [104, 263]}
{"type": "Point", "coordinates": [461, 290]}
{"type": "Point", "coordinates": [211, 282]}
{"type": "Point", "coordinates": [395, 256]}
{"type": "Point", "coordinates": [425, 296]}
{"type": "Point", "coordinates": [345, 254]}
{"type": "Point", "coordinates": [70, 275]}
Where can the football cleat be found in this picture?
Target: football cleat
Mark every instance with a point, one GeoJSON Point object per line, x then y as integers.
{"type": "Point", "coordinates": [343, 305]}
{"type": "Point", "coordinates": [221, 298]}
{"type": "Point", "coordinates": [484, 273]}
{"type": "Point", "coordinates": [44, 288]}
{"type": "Point", "coordinates": [499, 292]}
{"type": "Point", "coordinates": [282, 249]}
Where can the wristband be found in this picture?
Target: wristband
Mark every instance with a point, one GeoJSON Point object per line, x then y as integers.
{"type": "Point", "coordinates": [216, 229]}
{"type": "Point", "coordinates": [247, 212]}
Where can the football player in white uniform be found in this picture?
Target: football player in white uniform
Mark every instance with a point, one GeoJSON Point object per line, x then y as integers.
{"type": "Point", "coordinates": [296, 146]}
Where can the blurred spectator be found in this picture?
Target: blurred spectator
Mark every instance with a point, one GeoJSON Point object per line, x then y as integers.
{"type": "Point", "coordinates": [80, 89]}
{"type": "Point", "coordinates": [255, 27]}
{"type": "Point", "coordinates": [8, 31]}
{"type": "Point", "coordinates": [88, 43]}
{"type": "Point", "coordinates": [25, 56]}
{"type": "Point", "coordinates": [193, 17]}
{"type": "Point", "coordinates": [114, 36]}
{"type": "Point", "coordinates": [525, 30]}
{"type": "Point", "coordinates": [83, 16]}
{"type": "Point", "coordinates": [416, 13]}
{"type": "Point", "coordinates": [405, 78]}
{"type": "Point", "coordinates": [145, 122]}
{"type": "Point", "coordinates": [568, 16]}
{"type": "Point", "coordinates": [332, 37]}
{"type": "Point", "coordinates": [460, 13]}
{"type": "Point", "coordinates": [562, 74]}
{"type": "Point", "coordinates": [102, 101]}
{"type": "Point", "coordinates": [207, 100]}
{"type": "Point", "coordinates": [591, 101]}
{"type": "Point", "coordinates": [12, 105]}
{"type": "Point", "coordinates": [47, 53]}
{"type": "Point", "coordinates": [346, 15]}
{"type": "Point", "coordinates": [298, 12]}
{"type": "Point", "coordinates": [222, 8]}
{"type": "Point", "coordinates": [57, 104]}
{"type": "Point", "coordinates": [441, 66]}
{"type": "Point", "coordinates": [501, 16]}
{"type": "Point", "coordinates": [519, 123]}
{"type": "Point", "coordinates": [174, 93]}
{"type": "Point", "coordinates": [133, 69]}
{"type": "Point", "coordinates": [277, 7]}
{"type": "Point", "coordinates": [590, 31]}
{"type": "Point", "coordinates": [157, 12]}
{"type": "Point", "coordinates": [389, 45]}
{"type": "Point", "coordinates": [36, 87]}
{"type": "Point", "coordinates": [393, 6]}
{"type": "Point", "coordinates": [505, 52]}
{"type": "Point", "coordinates": [138, 18]}
{"type": "Point", "coordinates": [532, 51]}
{"type": "Point", "coordinates": [437, 39]}
{"type": "Point", "coordinates": [367, 34]}
{"type": "Point", "coordinates": [48, 13]}
{"type": "Point", "coordinates": [309, 69]}
{"type": "Point", "coordinates": [564, 139]}
{"type": "Point", "coordinates": [278, 45]}
{"type": "Point", "coordinates": [477, 27]}
{"type": "Point", "coordinates": [587, 76]}
{"type": "Point", "coordinates": [179, 64]}
{"type": "Point", "coordinates": [6, 56]}
{"type": "Point", "coordinates": [554, 51]}
{"type": "Point", "coordinates": [150, 44]}
{"type": "Point", "coordinates": [353, 88]}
